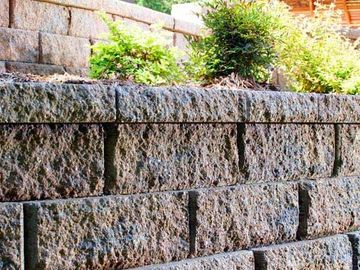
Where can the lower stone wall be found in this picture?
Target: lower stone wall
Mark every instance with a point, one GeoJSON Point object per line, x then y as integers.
{"type": "Point", "coordinates": [82, 189]}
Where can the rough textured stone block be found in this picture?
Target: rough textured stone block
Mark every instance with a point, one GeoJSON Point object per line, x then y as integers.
{"type": "Point", "coordinates": [147, 158]}
{"type": "Point", "coordinates": [4, 13]}
{"type": "Point", "coordinates": [181, 42]}
{"type": "Point", "coordinates": [245, 216]}
{"type": "Point", "coordinates": [56, 103]}
{"type": "Point", "coordinates": [129, 22]}
{"type": "Point", "coordinates": [111, 232]}
{"type": "Point", "coordinates": [85, 23]}
{"type": "Point", "coordinates": [242, 260]}
{"type": "Point", "coordinates": [282, 107]}
{"type": "Point", "coordinates": [349, 149]}
{"type": "Point", "coordinates": [326, 253]}
{"type": "Point", "coordinates": [31, 68]}
{"type": "Point", "coordinates": [64, 50]}
{"type": "Point", "coordinates": [329, 206]}
{"type": "Point", "coordinates": [19, 45]}
{"type": "Point", "coordinates": [40, 16]}
{"type": "Point", "coordinates": [148, 104]}
{"type": "Point", "coordinates": [286, 151]}
{"type": "Point", "coordinates": [40, 161]}
{"type": "Point", "coordinates": [11, 236]}
{"type": "Point", "coordinates": [339, 108]}
{"type": "Point", "coordinates": [354, 238]}
{"type": "Point", "coordinates": [188, 28]}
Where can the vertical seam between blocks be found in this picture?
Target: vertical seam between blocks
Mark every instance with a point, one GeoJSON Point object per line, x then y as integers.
{"type": "Point", "coordinates": [260, 261]}
{"type": "Point", "coordinates": [30, 236]}
{"type": "Point", "coordinates": [337, 150]}
{"type": "Point", "coordinates": [11, 13]}
{"type": "Point", "coordinates": [304, 206]}
{"type": "Point", "coordinates": [241, 130]}
{"type": "Point", "coordinates": [192, 208]}
{"type": "Point", "coordinates": [110, 172]}
{"type": "Point", "coordinates": [40, 49]}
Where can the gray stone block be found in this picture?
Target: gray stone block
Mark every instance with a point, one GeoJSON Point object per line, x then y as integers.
{"type": "Point", "coordinates": [245, 216]}
{"type": "Point", "coordinates": [349, 150]}
{"type": "Point", "coordinates": [330, 206]}
{"type": "Point", "coordinates": [56, 103]}
{"type": "Point", "coordinates": [179, 104]}
{"type": "Point", "coordinates": [157, 157]}
{"type": "Point", "coordinates": [107, 233]}
{"type": "Point", "coordinates": [273, 152]}
{"type": "Point", "coordinates": [339, 108]}
{"type": "Point", "coordinates": [241, 260]}
{"type": "Point", "coordinates": [326, 253]}
{"type": "Point", "coordinates": [41, 161]}
{"type": "Point", "coordinates": [11, 236]}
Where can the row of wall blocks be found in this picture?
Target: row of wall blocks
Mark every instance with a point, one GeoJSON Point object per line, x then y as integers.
{"type": "Point", "coordinates": [138, 230]}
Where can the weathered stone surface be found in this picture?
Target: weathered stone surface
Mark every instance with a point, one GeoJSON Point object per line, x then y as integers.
{"type": "Point", "coordinates": [242, 260]}
{"type": "Point", "coordinates": [85, 23]}
{"type": "Point", "coordinates": [148, 104]}
{"type": "Point", "coordinates": [245, 216]}
{"type": "Point", "coordinates": [40, 16]}
{"type": "Point", "coordinates": [326, 253]}
{"type": "Point", "coordinates": [18, 45]}
{"type": "Point", "coordinates": [64, 50]}
{"type": "Point", "coordinates": [11, 236]}
{"type": "Point", "coordinates": [4, 13]}
{"type": "Point", "coordinates": [111, 232]}
{"type": "Point", "coordinates": [287, 151]}
{"type": "Point", "coordinates": [129, 22]}
{"type": "Point", "coordinates": [31, 68]}
{"type": "Point", "coordinates": [181, 42]}
{"type": "Point", "coordinates": [188, 28]}
{"type": "Point", "coordinates": [148, 158]}
{"type": "Point", "coordinates": [354, 238]}
{"type": "Point", "coordinates": [330, 206]}
{"type": "Point", "coordinates": [2, 67]}
{"type": "Point", "coordinates": [265, 106]}
{"type": "Point", "coordinates": [56, 103]}
{"type": "Point", "coordinates": [40, 161]}
{"type": "Point", "coordinates": [83, 72]}
{"type": "Point", "coordinates": [339, 108]}
{"type": "Point", "coordinates": [349, 149]}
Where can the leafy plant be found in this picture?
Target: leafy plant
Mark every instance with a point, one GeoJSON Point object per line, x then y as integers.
{"type": "Point", "coordinates": [314, 55]}
{"type": "Point", "coordinates": [161, 5]}
{"type": "Point", "coordinates": [133, 54]}
{"type": "Point", "coordinates": [242, 41]}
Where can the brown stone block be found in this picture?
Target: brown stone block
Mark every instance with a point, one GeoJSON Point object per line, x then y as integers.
{"type": "Point", "coordinates": [4, 13]}
{"type": "Point", "coordinates": [85, 23]}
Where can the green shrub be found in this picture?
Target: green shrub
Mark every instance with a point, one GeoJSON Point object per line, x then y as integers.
{"type": "Point", "coordinates": [132, 54]}
{"type": "Point", "coordinates": [315, 57]}
{"type": "Point", "coordinates": [161, 5]}
{"type": "Point", "coordinates": [242, 41]}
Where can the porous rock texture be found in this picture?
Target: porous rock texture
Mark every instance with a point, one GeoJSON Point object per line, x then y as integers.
{"type": "Point", "coordinates": [107, 233]}
{"type": "Point", "coordinates": [233, 218]}
{"type": "Point", "coordinates": [333, 206]}
{"type": "Point", "coordinates": [349, 144]}
{"type": "Point", "coordinates": [4, 13]}
{"type": "Point", "coordinates": [42, 161]}
{"type": "Point", "coordinates": [327, 253]}
{"type": "Point", "coordinates": [242, 260]}
{"type": "Point", "coordinates": [339, 108]}
{"type": "Point", "coordinates": [179, 104]}
{"type": "Point", "coordinates": [281, 152]}
{"type": "Point", "coordinates": [158, 157]}
{"type": "Point", "coordinates": [11, 237]}
{"type": "Point", "coordinates": [56, 103]}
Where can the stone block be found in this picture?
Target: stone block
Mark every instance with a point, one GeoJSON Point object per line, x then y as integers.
{"type": "Point", "coordinates": [111, 232]}
{"type": "Point", "coordinates": [40, 16]}
{"type": "Point", "coordinates": [157, 157]}
{"type": "Point", "coordinates": [329, 206]}
{"type": "Point", "coordinates": [64, 50]}
{"type": "Point", "coordinates": [239, 217]}
{"type": "Point", "coordinates": [11, 236]}
{"type": "Point", "coordinates": [56, 103]}
{"type": "Point", "coordinates": [86, 23]}
{"type": "Point", "coordinates": [326, 253]}
{"type": "Point", "coordinates": [19, 45]}
{"type": "Point", "coordinates": [241, 260]}
{"type": "Point", "coordinates": [349, 150]}
{"type": "Point", "coordinates": [32, 68]}
{"type": "Point", "coordinates": [41, 161]}
{"type": "Point", "coordinates": [179, 104]}
{"type": "Point", "coordinates": [273, 152]}
{"type": "Point", "coordinates": [282, 107]}
{"type": "Point", "coordinates": [188, 28]}
{"type": "Point", "coordinates": [4, 13]}
{"type": "Point", "coordinates": [339, 108]}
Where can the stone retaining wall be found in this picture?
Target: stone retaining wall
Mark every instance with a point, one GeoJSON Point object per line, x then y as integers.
{"type": "Point", "coordinates": [123, 177]}
{"type": "Point", "coordinates": [54, 36]}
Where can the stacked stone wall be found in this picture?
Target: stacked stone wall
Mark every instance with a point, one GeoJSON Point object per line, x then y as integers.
{"type": "Point", "coordinates": [129, 177]}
